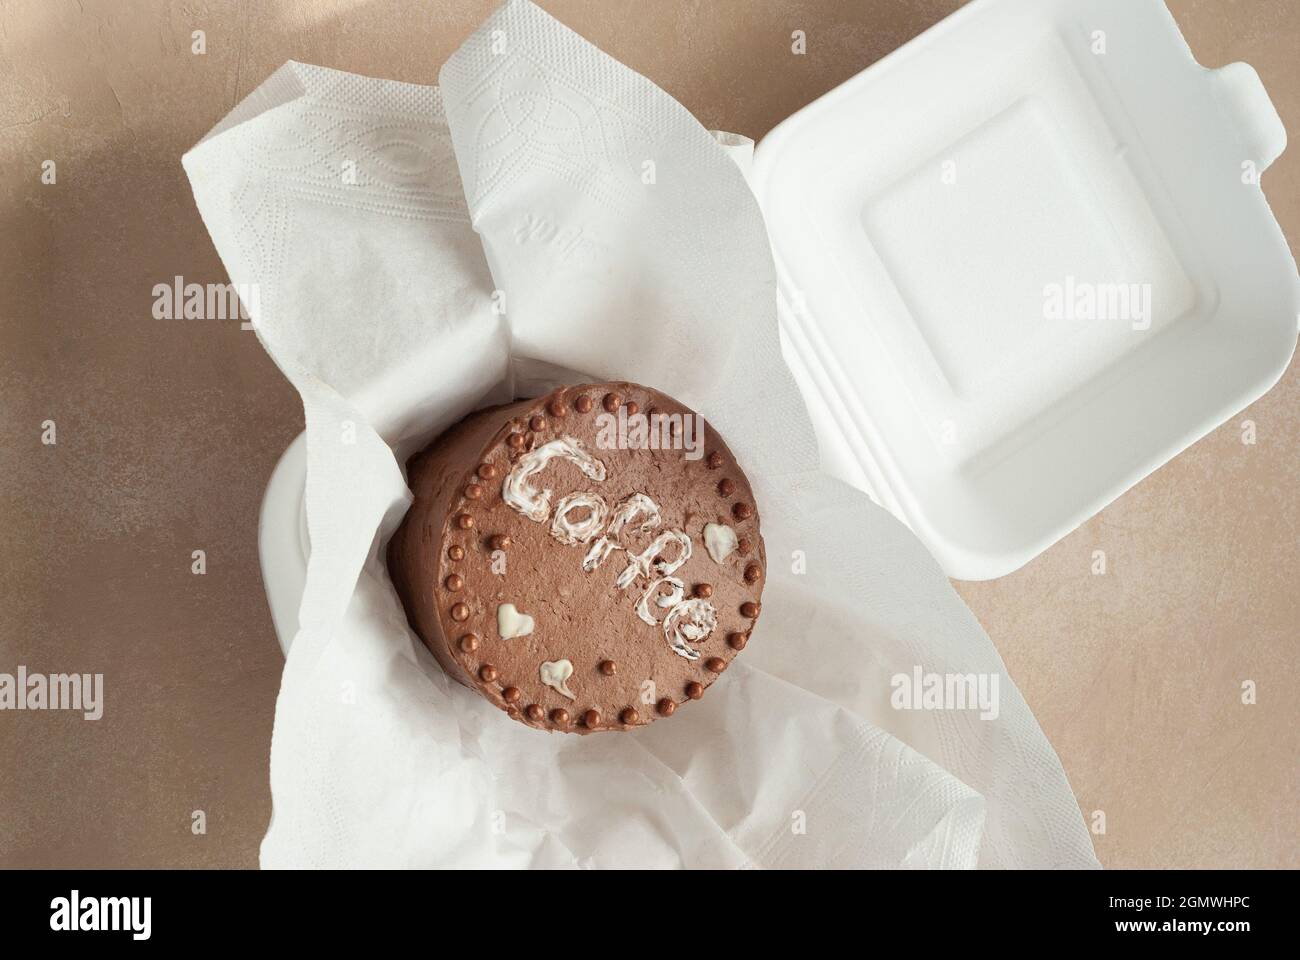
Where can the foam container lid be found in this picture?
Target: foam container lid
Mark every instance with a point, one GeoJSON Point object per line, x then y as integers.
{"type": "Point", "coordinates": [1025, 260]}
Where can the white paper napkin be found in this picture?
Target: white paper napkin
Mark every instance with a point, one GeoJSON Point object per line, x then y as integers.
{"type": "Point", "coordinates": [385, 236]}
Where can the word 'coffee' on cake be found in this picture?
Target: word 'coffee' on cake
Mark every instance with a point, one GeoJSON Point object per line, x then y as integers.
{"type": "Point", "coordinates": [686, 619]}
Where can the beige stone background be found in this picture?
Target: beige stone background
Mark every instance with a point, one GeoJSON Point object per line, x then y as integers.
{"type": "Point", "coordinates": [168, 430]}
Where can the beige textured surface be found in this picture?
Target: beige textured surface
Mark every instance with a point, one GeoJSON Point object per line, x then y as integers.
{"type": "Point", "coordinates": [168, 430]}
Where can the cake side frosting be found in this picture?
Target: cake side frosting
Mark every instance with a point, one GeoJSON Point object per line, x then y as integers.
{"type": "Point", "coordinates": [435, 476]}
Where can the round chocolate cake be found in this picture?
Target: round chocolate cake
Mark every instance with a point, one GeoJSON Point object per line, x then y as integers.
{"type": "Point", "coordinates": [590, 560]}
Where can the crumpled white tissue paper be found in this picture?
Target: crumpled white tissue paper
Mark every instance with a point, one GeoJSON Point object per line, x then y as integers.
{"type": "Point", "coordinates": [550, 214]}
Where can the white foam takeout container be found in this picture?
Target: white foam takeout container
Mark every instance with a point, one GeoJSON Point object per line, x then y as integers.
{"type": "Point", "coordinates": [917, 214]}
{"type": "Point", "coordinates": [934, 218]}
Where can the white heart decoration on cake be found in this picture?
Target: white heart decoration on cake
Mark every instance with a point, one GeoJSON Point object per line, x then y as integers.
{"type": "Point", "coordinates": [512, 623]}
{"type": "Point", "coordinates": [555, 674]}
{"type": "Point", "coordinates": [720, 540]}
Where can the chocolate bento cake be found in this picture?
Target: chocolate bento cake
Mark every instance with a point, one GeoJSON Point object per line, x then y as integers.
{"type": "Point", "coordinates": [589, 560]}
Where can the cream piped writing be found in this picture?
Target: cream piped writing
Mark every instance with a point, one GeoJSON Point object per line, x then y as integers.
{"type": "Point", "coordinates": [518, 490]}
{"type": "Point", "coordinates": [581, 516]}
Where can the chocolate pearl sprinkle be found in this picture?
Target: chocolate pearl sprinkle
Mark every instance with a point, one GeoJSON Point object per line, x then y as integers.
{"type": "Point", "coordinates": [499, 541]}
{"type": "Point", "coordinates": [456, 552]}
{"type": "Point", "coordinates": [737, 641]}
{"type": "Point", "coordinates": [695, 690]}
{"type": "Point", "coordinates": [666, 707]}
{"type": "Point", "coordinates": [715, 460]}
{"type": "Point", "coordinates": [632, 408]}
{"type": "Point", "coordinates": [715, 664]}
{"type": "Point", "coordinates": [560, 717]}
{"type": "Point", "coordinates": [453, 582]}
{"type": "Point", "coordinates": [515, 441]}
{"type": "Point", "coordinates": [556, 408]}
{"type": "Point", "coordinates": [742, 511]}
{"type": "Point", "coordinates": [534, 713]}
{"type": "Point", "coordinates": [752, 573]}
{"type": "Point", "coordinates": [744, 546]}
{"type": "Point", "coordinates": [459, 612]}
{"type": "Point", "coordinates": [726, 486]}
{"type": "Point", "coordinates": [749, 609]}
{"type": "Point", "coordinates": [487, 673]}
{"type": "Point", "coordinates": [537, 424]}
{"type": "Point", "coordinates": [486, 471]}
{"type": "Point", "coordinates": [612, 402]}
{"type": "Point", "coordinates": [607, 667]}
{"type": "Point", "coordinates": [628, 717]}
{"type": "Point", "coordinates": [704, 590]}
{"type": "Point", "coordinates": [591, 718]}
{"type": "Point", "coordinates": [469, 643]}
{"type": "Point", "coordinates": [464, 521]}
{"type": "Point", "coordinates": [473, 491]}
{"type": "Point", "coordinates": [582, 404]}
{"type": "Point", "coordinates": [511, 694]}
